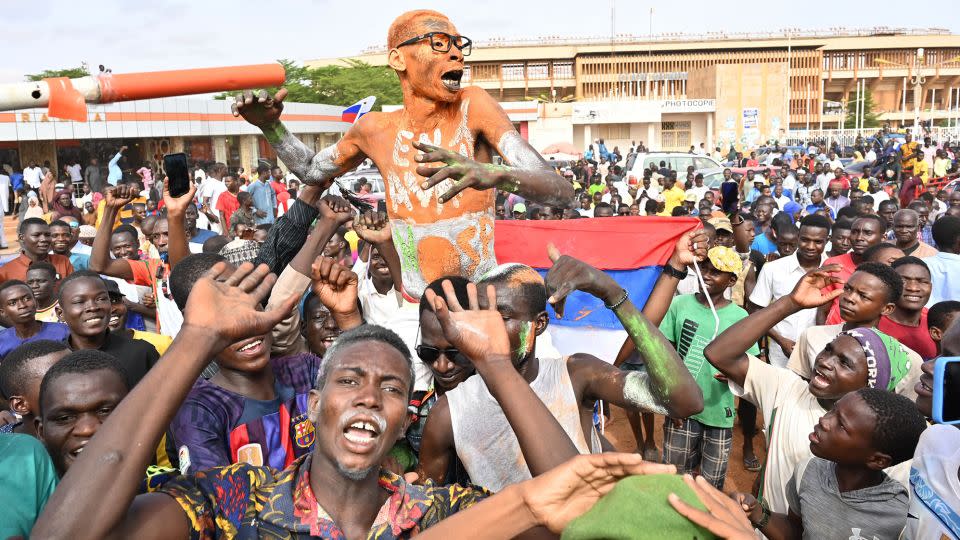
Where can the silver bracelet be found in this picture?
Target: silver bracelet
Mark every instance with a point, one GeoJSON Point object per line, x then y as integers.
{"type": "Point", "coordinates": [619, 302]}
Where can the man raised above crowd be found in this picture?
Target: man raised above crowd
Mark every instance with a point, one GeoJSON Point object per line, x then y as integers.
{"type": "Point", "coordinates": [440, 226]}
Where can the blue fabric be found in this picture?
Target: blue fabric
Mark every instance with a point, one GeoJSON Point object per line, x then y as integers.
{"type": "Point", "coordinates": [79, 261]}
{"type": "Point", "coordinates": [135, 321]}
{"type": "Point", "coordinates": [763, 244]}
{"type": "Point", "coordinates": [114, 174]}
{"type": "Point", "coordinates": [264, 200]}
{"type": "Point", "coordinates": [202, 236]}
{"type": "Point", "coordinates": [583, 310]}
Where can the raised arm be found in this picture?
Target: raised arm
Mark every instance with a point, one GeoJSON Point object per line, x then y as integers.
{"type": "Point", "coordinates": [314, 168]}
{"type": "Point", "coordinates": [178, 246]}
{"type": "Point", "coordinates": [96, 498]}
{"type": "Point", "coordinates": [728, 351]}
{"type": "Point", "coordinates": [374, 228]}
{"type": "Point", "coordinates": [480, 334]}
{"type": "Point", "coordinates": [100, 260]}
{"type": "Point", "coordinates": [692, 246]}
{"type": "Point", "coordinates": [666, 388]}
{"type": "Point", "coordinates": [526, 172]}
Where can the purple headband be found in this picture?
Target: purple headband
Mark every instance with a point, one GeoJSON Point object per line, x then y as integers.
{"type": "Point", "coordinates": [878, 358]}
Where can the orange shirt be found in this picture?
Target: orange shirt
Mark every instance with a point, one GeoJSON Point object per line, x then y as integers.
{"type": "Point", "coordinates": [17, 268]}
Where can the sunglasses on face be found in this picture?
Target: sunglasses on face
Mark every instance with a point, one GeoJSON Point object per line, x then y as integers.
{"type": "Point", "coordinates": [442, 41]}
{"type": "Point", "coordinates": [430, 355]}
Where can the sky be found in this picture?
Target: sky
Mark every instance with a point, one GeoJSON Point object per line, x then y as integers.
{"type": "Point", "coordinates": [148, 35]}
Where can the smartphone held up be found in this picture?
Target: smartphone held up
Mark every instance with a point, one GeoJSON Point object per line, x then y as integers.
{"type": "Point", "coordinates": [178, 173]}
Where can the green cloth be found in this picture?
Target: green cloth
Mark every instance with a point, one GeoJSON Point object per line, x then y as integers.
{"type": "Point", "coordinates": [637, 508]}
{"type": "Point", "coordinates": [594, 188]}
{"type": "Point", "coordinates": [27, 479]}
{"type": "Point", "coordinates": [689, 325]}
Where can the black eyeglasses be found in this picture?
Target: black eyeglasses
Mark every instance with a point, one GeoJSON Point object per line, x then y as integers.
{"type": "Point", "coordinates": [441, 42]}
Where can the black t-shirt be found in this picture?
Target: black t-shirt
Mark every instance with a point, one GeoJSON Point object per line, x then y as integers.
{"type": "Point", "coordinates": [135, 355]}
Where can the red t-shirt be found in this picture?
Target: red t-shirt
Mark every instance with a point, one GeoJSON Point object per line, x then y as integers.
{"type": "Point", "coordinates": [228, 204]}
{"type": "Point", "coordinates": [846, 270]}
{"type": "Point", "coordinates": [916, 338]}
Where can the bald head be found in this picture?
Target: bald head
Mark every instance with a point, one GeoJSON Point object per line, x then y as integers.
{"type": "Point", "coordinates": [414, 23]}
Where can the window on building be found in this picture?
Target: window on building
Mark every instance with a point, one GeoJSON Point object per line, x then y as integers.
{"type": "Point", "coordinates": [563, 70]}
{"type": "Point", "coordinates": [513, 72]}
{"type": "Point", "coordinates": [538, 71]}
{"type": "Point", "coordinates": [675, 135]}
{"type": "Point", "coordinates": [613, 132]}
{"type": "Point", "coordinates": [466, 74]}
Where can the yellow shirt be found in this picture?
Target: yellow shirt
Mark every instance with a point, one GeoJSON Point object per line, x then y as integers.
{"type": "Point", "coordinates": [940, 167]}
{"type": "Point", "coordinates": [921, 169]}
{"type": "Point", "coordinates": [49, 314]}
{"type": "Point", "coordinates": [672, 198]}
{"type": "Point", "coordinates": [159, 341]}
{"type": "Point", "coordinates": [907, 150]}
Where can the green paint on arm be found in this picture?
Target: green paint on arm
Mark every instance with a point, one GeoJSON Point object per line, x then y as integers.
{"type": "Point", "coordinates": [406, 246]}
{"type": "Point", "coordinates": [275, 133]}
{"type": "Point", "coordinates": [654, 349]}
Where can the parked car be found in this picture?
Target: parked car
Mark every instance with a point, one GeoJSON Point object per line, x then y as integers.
{"type": "Point", "coordinates": [678, 161]}
{"type": "Point", "coordinates": [349, 181]}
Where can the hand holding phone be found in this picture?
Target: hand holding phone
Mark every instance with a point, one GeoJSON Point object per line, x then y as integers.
{"type": "Point", "coordinates": [946, 390]}
{"type": "Point", "coordinates": [178, 174]}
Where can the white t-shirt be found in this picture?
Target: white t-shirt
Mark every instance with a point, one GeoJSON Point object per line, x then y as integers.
{"type": "Point", "coordinates": [870, 156]}
{"type": "Point", "coordinates": [929, 152]}
{"type": "Point", "coordinates": [934, 487]}
{"type": "Point", "coordinates": [698, 191]}
{"type": "Point", "coordinates": [878, 198]}
{"type": "Point", "coordinates": [32, 176]}
{"type": "Point", "coordinates": [815, 338]}
{"type": "Point", "coordinates": [789, 411]}
{"type": "Point", "coordinates": [777, 279]}
{"type": "Point", "coordinates": [76, 176]}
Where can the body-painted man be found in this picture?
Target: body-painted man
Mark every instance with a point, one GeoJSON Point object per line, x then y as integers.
{"type": "Point", "coordinates": [440, 227]}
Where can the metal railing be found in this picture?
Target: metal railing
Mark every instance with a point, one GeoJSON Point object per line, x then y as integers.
{"type": "Point", "coordinates": [793, 33]}
{"type": "Point", "coordinates": [846, 137]}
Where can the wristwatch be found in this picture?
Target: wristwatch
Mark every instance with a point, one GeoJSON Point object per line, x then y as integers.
{"type": "Point", "coordinates": [673, 272]}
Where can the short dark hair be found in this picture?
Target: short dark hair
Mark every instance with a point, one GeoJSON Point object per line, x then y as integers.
{"type": "Point", "coordinates": [848, 212]}
{"type": "Point", "coordinates": [80, 362]}
{"type": "Point", "coordinates": [31, 221]}
{"type": "Point", "coordinates": [878, 219]}
{"type": "Point", "coordinates": [243, 196]}
{"type": "Point", "coordinates": [842, 224]}
{"type": "Point", "coordinates": [459, 284]}
{"type": "Point", "coordinates": [890, 278]}
{"type": "Point", "coordinates": [946, 231]}
{"type": "Point", "coordinates": [939, 313]}
{"type": "Point", "coordinates": [14, 283]}
{"type": "Point", "coordinates": [815, 221]}
{"type": "Point", "coordinates": [44, 266]}
{"type": "Point", "coordinates": [127, 229]}
{"type": "Point", "coordinates": [364, 332]}
{"type": "Point", "coordinates": [187, 272]}
{"type": "Point", "coordinates": [871, 252]}
{"type": "Point", "coordinates": [215, 243]}
{"type": "Point", "coordinates": [535, 293]}
{"type": "Point", "coordinates": [59, 223]}
{"type": "Point", "coordinates": [262, 168]}
{"type": "Point", "coordinates": [14, 370]}
{"type": "Point", "coordinates": [80, 274]}
{"type": "Point", "coordinates": [888, 202]}
{"type": "Point", "coordinates": [910, 259]}
{"type": "Point", "coordinates": [898, 426]}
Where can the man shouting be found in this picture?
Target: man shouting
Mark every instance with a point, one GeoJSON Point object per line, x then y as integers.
{"type": "Point", "coordinates": [430, 152]}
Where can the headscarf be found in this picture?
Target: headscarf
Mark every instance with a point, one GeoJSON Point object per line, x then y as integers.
{"type": "Point", "coordinates": [887, 360]}
{"type": "Point", "coordinates": [61, 210]}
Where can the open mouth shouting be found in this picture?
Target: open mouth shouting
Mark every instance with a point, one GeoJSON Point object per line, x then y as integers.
{"type": "Point", "coordinates": [451, 79]}
{"type": "Point", "coordinates": [362, 433]}
{"type": "Point", "coordinates": [819, 380]}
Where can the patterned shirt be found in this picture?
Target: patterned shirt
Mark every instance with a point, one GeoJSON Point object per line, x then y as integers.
{"type": "Point", "coordinates": [245, 502]}
{"type": "Point", "coordinates": [216, 427]}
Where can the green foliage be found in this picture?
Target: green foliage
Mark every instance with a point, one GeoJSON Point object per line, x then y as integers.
{"type": "Point", "coordinates": [870, 118]}
{"type": "Point", "coordinates": [72, 73]}
{"type": "Point", "coordinates": [339, 85]}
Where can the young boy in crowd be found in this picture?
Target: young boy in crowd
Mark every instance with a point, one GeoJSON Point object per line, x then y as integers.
{"type": "Point", "coordinates": [42, 279]}
{"type": "Point", "coordinates": [20, 374]}
{"type": "Point", "coordinates": [19, 309]}
{"type": "Point", "coordinates": [870, 293]}
{"type": "Point", "coordinates": [702, 441]}
{"type": "Point", "coordinates": [865, 231]}
{"type": "Point", "coordinates": [908, 320]}
{"type": "Point", "coordinates": [85, 308]}
{"type": "Point", "coordinates": [839, 238]}
{"type": "Point", "coordinates": [118, 320]}
{"type": "Point", "coordinates": [941, 317]}
{"type": "Point", "coordinates": [76, 395]}
{"type": "Point", "coordinates": [842, 492]}
{"type": "Point", "coordinates": [861, 357]}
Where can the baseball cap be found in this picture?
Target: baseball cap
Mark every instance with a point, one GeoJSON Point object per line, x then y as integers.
{"type": "Point", "coordinates": [721, 224]}
{"type": "Point", "coordinates": [519, 207]}
{"type": "Point", "coordinates": [112, 288]}
{"type": "Point", "coordinates": [691, 197]}
{"type": "Point", "coordinates": [725, 259]}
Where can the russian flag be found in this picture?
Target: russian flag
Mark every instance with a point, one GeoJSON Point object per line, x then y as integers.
{"type": "Point", "coordinates": [631, 250]}
{"type": "Point", "coordinates": [353, 113]}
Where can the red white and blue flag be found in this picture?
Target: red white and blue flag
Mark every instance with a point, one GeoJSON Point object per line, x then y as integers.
{"type": "Point", "coordinates": [354, 112]}
{"type": "Point", "coordinates": [631, 250]}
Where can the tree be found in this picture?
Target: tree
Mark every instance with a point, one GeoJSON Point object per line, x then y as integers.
{"type": "Point", "coordinates": [72, 73]}
{"type": "Point", "coordinates": [339, 85]}
{"type": "Point", "coordinates": [870, 118]}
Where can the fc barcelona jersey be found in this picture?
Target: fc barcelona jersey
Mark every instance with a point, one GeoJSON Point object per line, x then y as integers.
{"type": "Point", "coordinates": [216, 427]}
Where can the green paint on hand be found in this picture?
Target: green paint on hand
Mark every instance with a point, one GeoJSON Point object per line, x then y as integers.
{"type": "Point", "coordinates": [275, 133]}
{"type": "Point", "coordinates": [406, 246]}
{"type": "Point", "coordinates": [654, 351]}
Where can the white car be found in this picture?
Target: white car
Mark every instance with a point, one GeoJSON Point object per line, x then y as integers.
{"type": "Point", "coordinates": [677, 161]}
